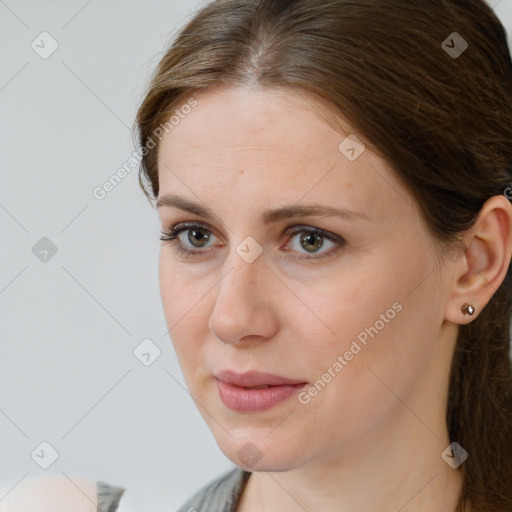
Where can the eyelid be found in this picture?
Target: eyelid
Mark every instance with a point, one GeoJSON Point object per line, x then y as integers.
{"type": "Point", "coordinates": [290, 230]}
{"type": "Point", "coordinates": [183, 226]}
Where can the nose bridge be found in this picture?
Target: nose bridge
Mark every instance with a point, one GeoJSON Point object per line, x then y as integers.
{"type": "Point", "coordinates": [245, 266]}
{"type": "Point", "coordinates": [238, 286]}
{"type": "Point", "coordinates": [238, 308]}
{"type": "Point", "coordinates": [241, 273]}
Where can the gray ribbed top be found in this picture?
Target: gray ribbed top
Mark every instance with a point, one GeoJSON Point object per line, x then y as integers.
{"type": "Point", "coordinates": [220, 495]}
{"type": "Point", "coordinates": [108, 497]}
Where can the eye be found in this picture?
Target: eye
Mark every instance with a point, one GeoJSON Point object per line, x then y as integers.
{"type": "Point", "coordinates": [311, 240]}
{"type": "Point", "coordinates": [195, 235]}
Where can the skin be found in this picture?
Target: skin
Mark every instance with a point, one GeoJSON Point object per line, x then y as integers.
{"type": "Point", "coordinates": [51, 494]}
{"type": "Point", "coordinates": [372, 438]}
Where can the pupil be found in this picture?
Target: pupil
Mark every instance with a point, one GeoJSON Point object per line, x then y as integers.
{"type": "Point", "coordinates": [309, 238]}
{"type": "Point", "coordinates": [196, 235]}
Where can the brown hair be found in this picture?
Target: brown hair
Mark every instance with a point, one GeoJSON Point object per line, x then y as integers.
{"type": "Point", "coordinates": [443, 122]}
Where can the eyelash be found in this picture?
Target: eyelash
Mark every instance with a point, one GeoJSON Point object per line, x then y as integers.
{"type": "Point", "coordinates": [171, 237]}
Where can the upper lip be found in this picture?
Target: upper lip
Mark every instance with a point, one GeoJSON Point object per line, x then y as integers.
{"type": "Point", "coordinates": [254, 378]}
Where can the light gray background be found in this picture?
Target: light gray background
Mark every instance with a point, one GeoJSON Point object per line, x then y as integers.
{"type": "Point", "coordinates": [68, 327]}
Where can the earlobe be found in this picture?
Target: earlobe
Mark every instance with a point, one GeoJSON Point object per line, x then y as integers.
{"type": "Point", "coordinates": [482, 269]}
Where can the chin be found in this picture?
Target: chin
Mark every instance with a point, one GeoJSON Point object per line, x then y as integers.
{"type": "Point", "coordinates": [252, 450]}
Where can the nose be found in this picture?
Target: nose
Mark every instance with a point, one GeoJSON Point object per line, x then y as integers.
{"type": "Point", "coordinates": [245, 303]}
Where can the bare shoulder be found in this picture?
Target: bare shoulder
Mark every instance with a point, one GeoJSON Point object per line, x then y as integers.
{"type": "Point", "coordinates": [51, 494]}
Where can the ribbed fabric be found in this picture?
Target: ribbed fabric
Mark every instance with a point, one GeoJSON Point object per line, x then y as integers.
{"type": "Point", "coordinates": [108, 497]}
{"type": "Point", "coordinates": [220, 495]}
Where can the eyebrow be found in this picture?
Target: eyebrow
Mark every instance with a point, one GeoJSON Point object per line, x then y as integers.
{"type": "Point", "coordinates": [268, 216]}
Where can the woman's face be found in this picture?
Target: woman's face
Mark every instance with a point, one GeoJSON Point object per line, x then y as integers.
{"type": "Point", "coordinates": [349, 322]}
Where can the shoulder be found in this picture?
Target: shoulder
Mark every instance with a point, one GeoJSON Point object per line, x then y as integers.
{"type": "Point", "coordinates": [61, 494]}
{"type": "Point", "coordinates": [51, 494]}
{"type": "Point", "coordinates": [221, 494]}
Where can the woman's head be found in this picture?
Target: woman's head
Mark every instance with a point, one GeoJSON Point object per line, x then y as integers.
{"type": "Point", "coordinates": [404, 117]}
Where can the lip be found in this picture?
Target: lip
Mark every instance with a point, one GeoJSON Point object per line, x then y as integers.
{"type": "Point", "coordinates": [254, 378]}
{"type": "Point", "coordinates": [234, 392]}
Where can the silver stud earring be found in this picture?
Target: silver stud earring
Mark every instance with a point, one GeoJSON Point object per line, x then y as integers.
{"type": "Point", "coordinates": [468, 309]}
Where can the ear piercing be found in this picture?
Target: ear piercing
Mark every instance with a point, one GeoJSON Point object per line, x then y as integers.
{"type": "Point", "coordinates": [467, 309]}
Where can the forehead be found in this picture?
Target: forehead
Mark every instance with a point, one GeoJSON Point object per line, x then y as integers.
{"type": "Point", "coordinates": [227, 119]}
{"type": "Point", "coordinates": [274, 145]}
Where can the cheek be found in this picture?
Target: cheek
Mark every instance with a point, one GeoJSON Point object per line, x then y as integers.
{"type": "Point", "coordinates": [382, 375]}
{"type": "Point", "coordinates": [357, 405]}
{"type": "Point", "coordinates": [183, 311]}
{"type": "Point", "coordinates": [362, 396]}
{"type": "Point", "coordinates": [349, 308]}
{"type": "Point", "coordinates": [180, 292]}
{"type": "Point", "coordinates": [382, 343]}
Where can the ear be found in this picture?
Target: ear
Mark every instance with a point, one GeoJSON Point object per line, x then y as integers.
{"type": "Point", "coordinates": [483, 267]}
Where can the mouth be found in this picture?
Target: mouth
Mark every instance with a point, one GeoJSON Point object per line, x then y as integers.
{"type": "Point", "coordinates": [255, 391]}
{"type": "Point", "coordinates": [254, 379]}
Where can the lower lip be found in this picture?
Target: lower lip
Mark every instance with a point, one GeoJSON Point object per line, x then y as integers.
{"type": "Point", "coordinates": [254, 400]}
